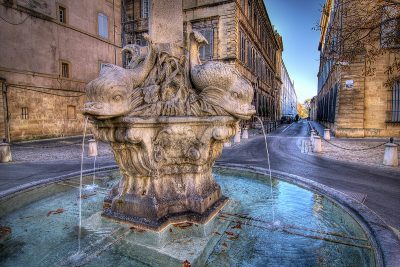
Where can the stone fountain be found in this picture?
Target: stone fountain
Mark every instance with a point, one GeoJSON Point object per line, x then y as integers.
{"type": "Point", "coordinates": [167, 116]}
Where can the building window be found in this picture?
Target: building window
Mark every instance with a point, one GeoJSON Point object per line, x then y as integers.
{"type": "Point", "coordinates": [395, 103]}
{"type": "Point", "coordinates": [242, 47]}
{"type": "Point", "coordinates": [62, 14]}
{"type": "Point", "coordinates": [206, 51]}
{"type": "Point", "coordinates": [103, 25]}
{"type": "Point", "coordinates": [65, 70]}
{"type": "Point", "coordinates": [145, 9]}
{"type": "Point", "coordinates": [24, 113]}
{"type": "Point", "coordinates": [71, 112]}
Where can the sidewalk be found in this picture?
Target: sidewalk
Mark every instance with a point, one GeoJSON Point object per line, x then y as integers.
{"type": "Point", "coordinates": [367, 151]}
{"type": "Point", "coordinates": [55, 149]}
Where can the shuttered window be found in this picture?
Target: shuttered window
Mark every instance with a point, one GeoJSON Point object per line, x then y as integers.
{"type": "Point", "coordinates": [103, 25]}
{"type": "Point", "coordinates": [395, 103]}
{"type": "Point", "coordinates": [145, 9]}
{"type": "Point", "coordinates": [206, 51]}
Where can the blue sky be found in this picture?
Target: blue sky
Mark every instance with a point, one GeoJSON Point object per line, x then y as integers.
{"type": "Point", "coordinates": [294, 20]}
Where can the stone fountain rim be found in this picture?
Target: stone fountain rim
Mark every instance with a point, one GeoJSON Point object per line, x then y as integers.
{"type": "Point", "coordinates": [383, 240]}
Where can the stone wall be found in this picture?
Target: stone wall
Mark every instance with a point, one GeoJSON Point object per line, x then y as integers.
{"type": "Point", "coordinates": [34, 46]}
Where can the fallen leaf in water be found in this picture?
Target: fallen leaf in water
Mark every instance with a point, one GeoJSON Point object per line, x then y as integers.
{"type": "Point", "coordinates": [186, 263]}
{"type": "Point", "coordinates": [85, 196]}
{"type": "Point", "coordinates": [4, 230]}
{"type": "Point", "coordinates": [233, 237]}
{"type": "Point", "coordinates": [229, 233]}
{"type": "Point", "coordinates": [183, 225]}
{"type": "Point", "coordinates": [237, 226]}
{"type": "Point", "coordinates": [225, 245]}
{"type": "Point", "coordinates": [57, 211]}
{"type": "Point", "coordinates": [217, 233]}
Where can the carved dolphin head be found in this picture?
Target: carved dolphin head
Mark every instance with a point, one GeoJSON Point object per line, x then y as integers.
{"type": "Point", "coordinates": [111, 94]}
{"type": "Point", "coordinates": [236, 99]}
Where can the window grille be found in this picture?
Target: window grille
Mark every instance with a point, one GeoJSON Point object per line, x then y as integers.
{"type": "Point", "coordinates": [24, 113]}
{"type": "Point", "coordinates": [394, 107]}
{"type": "Point", "coordinates": [145, 9]}
{"type": "Point", "coordinates": [65, 70]}
{"type": "Point", "coordinates": [62, 14]}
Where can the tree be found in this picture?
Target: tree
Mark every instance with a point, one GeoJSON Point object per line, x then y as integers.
{"type": "Point", "coordinates": [360, 31]}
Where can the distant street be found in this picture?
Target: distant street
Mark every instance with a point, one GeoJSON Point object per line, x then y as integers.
{"type": "Point", "coordinates": [381, 186]}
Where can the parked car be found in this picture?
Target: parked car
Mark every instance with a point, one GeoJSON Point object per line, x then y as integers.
{"type": "Point", "coordinates": [287, 119]}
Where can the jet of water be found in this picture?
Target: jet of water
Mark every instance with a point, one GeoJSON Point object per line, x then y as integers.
{"type": "Point", "coordinates": [80, 187]}
{"type": "Point", "coordinates": [269, 168]}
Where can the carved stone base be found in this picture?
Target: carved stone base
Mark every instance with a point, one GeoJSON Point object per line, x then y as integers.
{"type": "Point", "coordinates": [166, 165]}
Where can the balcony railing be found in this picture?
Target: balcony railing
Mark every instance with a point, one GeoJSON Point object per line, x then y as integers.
{"type": "Point", "coordinates": [137, 25]}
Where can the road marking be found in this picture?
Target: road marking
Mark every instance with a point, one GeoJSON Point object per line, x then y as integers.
{"type": "Point", "coordinates": [287, 128]}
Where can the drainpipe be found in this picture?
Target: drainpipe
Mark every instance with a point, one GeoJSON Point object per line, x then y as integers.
{"type": "Point", "coordinates": [115, 49]}
{"type": "Point", "coordinates": [5, 109]}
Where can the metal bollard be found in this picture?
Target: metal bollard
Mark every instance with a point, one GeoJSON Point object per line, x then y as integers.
{"type": "Point", "coordinates": [245, 134]}
{"type": "Point", "coordinates": [317, 145]}
{"type": "Point", "coordinates": [327, 134]}
{"type": "Point", "coordinates": [92, 151]}
{"type": "Point", "coordinates": [391, 158]}
{"type": "Point", "coordinates": [5, 152]}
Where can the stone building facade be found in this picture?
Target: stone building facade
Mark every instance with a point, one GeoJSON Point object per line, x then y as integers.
{"type": "Point", "coordinates": [49, 51]}
{"type": "Point", "coordinates": [238, 32]}
{"type": "Point", "coordinates": [288, 94]}
{"type": "Point", "coordinates": [351, 101]}
{"type": "Point", "coordinates": [312, 113]}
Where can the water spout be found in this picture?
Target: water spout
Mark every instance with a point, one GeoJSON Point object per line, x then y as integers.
{"type": "Point", "coordinates": [269, 168]}
{"type": "Point", "coordinates": [80, 187]}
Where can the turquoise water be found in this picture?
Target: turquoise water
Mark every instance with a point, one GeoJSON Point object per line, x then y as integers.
{"type": "Point", "coordinates": [308, 230]}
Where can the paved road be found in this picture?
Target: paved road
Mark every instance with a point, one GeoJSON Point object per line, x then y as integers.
{"type": "Point", "coordinates": [381, 186]}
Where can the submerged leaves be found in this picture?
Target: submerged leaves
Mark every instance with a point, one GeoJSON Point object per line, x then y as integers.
{"type": "Point", "coordinates": [57, 211]}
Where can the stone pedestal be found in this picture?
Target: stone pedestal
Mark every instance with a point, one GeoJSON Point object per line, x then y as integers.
{"type": "Point", "coordinates": [327, 134]}
{"type": "Point", "coordinates": [166, 164]}
{"type": "Point", "coordinates": [166, 22]}
{"type": "Point", "coordinates": [390, 157]}
{"type": "Point", "coordinates": [317, 146]}
{"type": "Point", "coordinates": [5, 153]}
{"type": "Point", "coordinates": [312, 137]}
{"type": "Point", "coordinates": [245, 134]}
{"type": "Point", "coordinates": [92, 151]}
{"type": "Point", "coordinates": [228, 143]}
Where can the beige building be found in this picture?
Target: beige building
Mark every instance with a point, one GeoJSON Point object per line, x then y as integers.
{"type": "Point", "coordinates": [354, 99]}
{"type": "Point", "coordinates": [238, 32]}
{"type": "Point", "coordinates": [49, 51]}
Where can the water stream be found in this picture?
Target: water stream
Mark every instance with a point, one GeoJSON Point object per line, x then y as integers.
{"type": "Point", "coordinates": [80, 187]}
{"type": "Point", "coordinates": [275, 223]}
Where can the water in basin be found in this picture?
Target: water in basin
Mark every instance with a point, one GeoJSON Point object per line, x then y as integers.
{"type": "Point", "coordinates": [309, 229]}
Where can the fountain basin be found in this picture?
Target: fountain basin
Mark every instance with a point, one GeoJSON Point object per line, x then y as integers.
{"type": "Point", "coordinates": [308, 229]}
{"type": "Point", "coordinates": [166, 165]}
